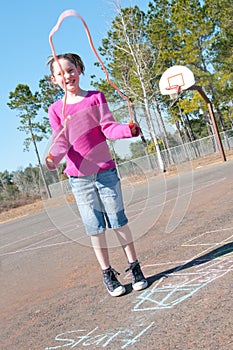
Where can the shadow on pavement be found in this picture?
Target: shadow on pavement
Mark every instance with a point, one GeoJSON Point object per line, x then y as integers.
{"type": "Point", "coordinates": [214, 254]}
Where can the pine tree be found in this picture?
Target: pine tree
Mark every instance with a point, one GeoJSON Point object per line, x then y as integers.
{"type": "Point", "coordinates": [28, 105]}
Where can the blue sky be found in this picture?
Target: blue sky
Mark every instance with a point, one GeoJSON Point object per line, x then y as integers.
{"type": "Point", "coordinates": [24, 31]}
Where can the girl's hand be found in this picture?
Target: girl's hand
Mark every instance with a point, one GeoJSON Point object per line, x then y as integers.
{"type": "Point", "coordinates": [50, 162]}
{"type": "Point", "coordinates": [134, 128]}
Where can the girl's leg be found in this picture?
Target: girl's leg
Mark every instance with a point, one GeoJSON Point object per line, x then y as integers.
{"type": "Point", "coordinates": [126, 240]}
{"type": "Point", "coordinates": [99, 245]}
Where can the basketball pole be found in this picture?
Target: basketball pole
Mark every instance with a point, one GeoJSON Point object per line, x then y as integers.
{"type": "Point", "coordinates": [212, 116]}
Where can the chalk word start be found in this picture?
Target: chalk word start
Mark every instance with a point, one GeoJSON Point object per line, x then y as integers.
{"type": "Point", "coordinates": [80, 337]}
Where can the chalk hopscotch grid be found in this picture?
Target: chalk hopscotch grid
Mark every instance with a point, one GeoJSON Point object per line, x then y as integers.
{"type": "Point", "coordinates": [179, 288]}
{"type": "Point", "coordinates": [181, 285]}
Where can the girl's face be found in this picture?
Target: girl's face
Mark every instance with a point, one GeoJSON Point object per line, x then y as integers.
{"type": "Point", "coordinates": [71, 75]}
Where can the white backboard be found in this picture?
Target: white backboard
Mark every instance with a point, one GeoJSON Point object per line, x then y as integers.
{"type": "Point", "coordinates": [176, 78]}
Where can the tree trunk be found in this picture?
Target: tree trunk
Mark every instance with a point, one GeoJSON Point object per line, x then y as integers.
{"type": "Point", "coordinates": [39, 162]}
{"type": "Point", "coordinates": [166, 141]}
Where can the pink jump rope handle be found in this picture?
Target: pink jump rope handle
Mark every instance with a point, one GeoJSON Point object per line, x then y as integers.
{"type": "Point", "coordinates": [131, 124]}
{"type": "Point", "coordinates": [50, 157]}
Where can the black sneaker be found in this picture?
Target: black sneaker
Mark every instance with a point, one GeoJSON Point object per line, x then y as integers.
{"type": "Point", "coordinates": [114, 287]}
{"type": "Point", "coordinates": [138, 280]}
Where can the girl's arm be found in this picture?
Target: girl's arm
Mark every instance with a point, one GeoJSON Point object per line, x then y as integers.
{"type": "Point", "coordinates": [112, 129]}
{"type": "Point", "coordinates": [59, 145]}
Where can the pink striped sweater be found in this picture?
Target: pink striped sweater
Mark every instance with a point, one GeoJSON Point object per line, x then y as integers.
{"type": "Point", "coordinates": [83, 140]}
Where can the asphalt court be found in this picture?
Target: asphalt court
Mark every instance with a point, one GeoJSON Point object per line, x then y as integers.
{"type": "Point", "coordinates": [52, 294]}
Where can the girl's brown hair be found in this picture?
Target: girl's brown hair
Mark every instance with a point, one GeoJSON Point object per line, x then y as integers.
{"type": "Point", "coordinates": [72, 57]}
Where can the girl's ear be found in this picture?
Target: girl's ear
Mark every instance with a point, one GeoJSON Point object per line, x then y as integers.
{"type": "Point", "coordinates": [79, 70]}
{"type": "Point", "coordinates": [53, 79]}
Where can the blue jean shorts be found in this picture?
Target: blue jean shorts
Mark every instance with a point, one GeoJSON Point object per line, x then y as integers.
{"type": "Point", "coordinates": [99, 200]}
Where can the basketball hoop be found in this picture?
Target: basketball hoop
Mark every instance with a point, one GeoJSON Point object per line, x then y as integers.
{"type": "Point", "coordinates": [174, 91]}
{"type": "Point", "coordinates": [175, 80]}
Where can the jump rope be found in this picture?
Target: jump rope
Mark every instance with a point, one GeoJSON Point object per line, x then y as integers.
{"type": "Point", "coordinates": [65, 14]}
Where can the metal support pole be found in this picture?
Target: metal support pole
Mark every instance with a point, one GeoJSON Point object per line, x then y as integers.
{"type": "Point", "coordinates": [213, 119]}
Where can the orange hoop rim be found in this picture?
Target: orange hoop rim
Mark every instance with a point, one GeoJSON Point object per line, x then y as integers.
{"type": "Point", "coordinates": [173, 87]}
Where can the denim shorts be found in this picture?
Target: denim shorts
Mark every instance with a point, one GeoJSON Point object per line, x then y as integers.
{"type": "Point", "coordinates": [99, 200]}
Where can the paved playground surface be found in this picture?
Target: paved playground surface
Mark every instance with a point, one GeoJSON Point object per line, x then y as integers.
{"type": "Point", "coordinates": [52, 295]}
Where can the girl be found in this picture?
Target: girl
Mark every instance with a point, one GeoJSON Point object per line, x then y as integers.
{"type": "Point", "coordinates": [81, 138]}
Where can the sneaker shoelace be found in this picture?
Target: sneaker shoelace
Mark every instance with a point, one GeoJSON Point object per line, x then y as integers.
{"type": "Point", "coordinates": [110, 279]}
{"type": "Point", "coordinates": [136, 272]}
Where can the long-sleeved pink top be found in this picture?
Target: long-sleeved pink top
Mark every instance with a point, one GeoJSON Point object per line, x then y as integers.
{"type": "Point", "coordinates": [82, 138]}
